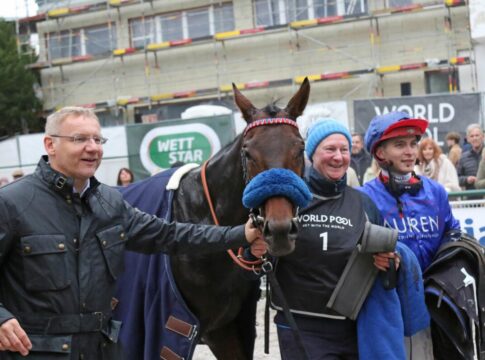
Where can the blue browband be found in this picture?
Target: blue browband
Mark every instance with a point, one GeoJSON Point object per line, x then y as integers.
{"type": "Point", "coordinates": [274, 182]}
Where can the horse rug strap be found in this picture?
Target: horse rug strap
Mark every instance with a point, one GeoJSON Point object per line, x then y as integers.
{"type": "Point", "coordinates": [167, 354]}
{"type": "Point", "coordinates": [180, 327]}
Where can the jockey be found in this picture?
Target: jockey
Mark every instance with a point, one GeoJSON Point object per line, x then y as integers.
{"type": "Point", "coordinates": [417, 207]}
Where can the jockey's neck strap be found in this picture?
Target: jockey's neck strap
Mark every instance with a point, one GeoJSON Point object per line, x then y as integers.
{"type": "Point", "coordinates": [270, 121]}
{"type": "Point", "coordinates": [238, 259]}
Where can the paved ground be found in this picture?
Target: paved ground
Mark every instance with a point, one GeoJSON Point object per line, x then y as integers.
{"type": "Point", "coordinates": [202, 352]}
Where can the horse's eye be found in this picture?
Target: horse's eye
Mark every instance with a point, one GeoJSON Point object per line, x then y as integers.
{"type": "Point", "coordinates": [247, 155]}
{"type": "Point", "coordinates": [300, 152]}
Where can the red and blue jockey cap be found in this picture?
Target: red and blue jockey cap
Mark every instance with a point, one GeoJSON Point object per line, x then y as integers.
{"type": "Point", "coordinates": [392, 125]}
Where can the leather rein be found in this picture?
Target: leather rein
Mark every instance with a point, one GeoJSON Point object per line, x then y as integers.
{"type": "Point", "coordinates": [238, 259]}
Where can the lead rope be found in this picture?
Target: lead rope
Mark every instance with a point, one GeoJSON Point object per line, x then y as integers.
{"type": "Point", "coordinates": [267, 269]}
{"type": "Point", "coordinates": [238, 260]}
{"type": "Point", "coordinates": [266, 319]}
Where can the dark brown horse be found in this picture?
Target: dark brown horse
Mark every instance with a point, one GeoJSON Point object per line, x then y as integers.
{"type": "Point", "coordinates": [218, 297]}
{"type": "Point", "coordinates": [212, 285]}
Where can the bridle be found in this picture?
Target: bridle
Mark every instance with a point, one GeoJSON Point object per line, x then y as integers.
{"type": "Point", "coordinates": [262, 122]}
{"type": "Point", "coordinates": [238, 259]}
{"type": "Point", "coordinates": [258, 220]}
{"type": "Point", "coordinates": [257, 215]}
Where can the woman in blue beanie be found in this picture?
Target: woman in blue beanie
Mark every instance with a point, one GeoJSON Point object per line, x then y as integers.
{"type": "Point", "coordinates": [329, 230]}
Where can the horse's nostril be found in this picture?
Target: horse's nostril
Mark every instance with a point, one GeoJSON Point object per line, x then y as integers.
{"type": "Point", "coordinates": [266, 229]}
{"type": "Point", "coordinates": [294, 226]}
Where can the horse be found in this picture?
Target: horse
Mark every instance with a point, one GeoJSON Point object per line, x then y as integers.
{"type": "Point", "coordinates": [223, 301]}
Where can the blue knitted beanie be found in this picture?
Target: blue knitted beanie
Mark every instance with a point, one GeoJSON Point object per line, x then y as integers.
{"type": "Point", "coordinates": [321, 130]}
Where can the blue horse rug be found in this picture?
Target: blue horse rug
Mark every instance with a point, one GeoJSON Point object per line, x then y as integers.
{"type": "Point", "coordinates": [156, 322]}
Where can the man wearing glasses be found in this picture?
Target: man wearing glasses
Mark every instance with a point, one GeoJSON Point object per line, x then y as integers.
{"type": "Point", "coordinates": [62, 237]}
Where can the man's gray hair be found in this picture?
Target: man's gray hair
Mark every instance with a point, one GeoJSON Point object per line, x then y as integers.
{"type": "Point", "coordinates": [55, 120]}
{"type": "Point", "coordinates": [470, 127]}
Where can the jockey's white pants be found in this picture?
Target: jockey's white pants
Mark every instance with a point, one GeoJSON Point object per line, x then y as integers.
{"type": "Point", "coordinates": [419, 346]}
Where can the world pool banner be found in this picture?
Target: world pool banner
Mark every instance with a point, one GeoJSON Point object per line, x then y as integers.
{"type": "Point", "coordinates": [158, 146]}
{"type": "Point", "coordinates": [445, 112]}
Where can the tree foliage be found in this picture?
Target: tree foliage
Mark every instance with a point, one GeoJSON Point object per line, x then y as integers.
{"type": "Point", "coordinates": [19, 107]}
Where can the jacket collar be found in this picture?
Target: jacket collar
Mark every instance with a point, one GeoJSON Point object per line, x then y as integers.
{"type": "Point", "coordinates": [59, 182]}
{"type": "Point", "coordinates": [320, 185]}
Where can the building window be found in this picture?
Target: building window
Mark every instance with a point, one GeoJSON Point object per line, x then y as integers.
{"type": "Point", "coordinates": [405, 89]}
{"type": "Point", "coordinates": [267, 12]}
{"type": "Point", "coordinates": [437, 81]}
{"type": "Point", "coordinates": [96, 40]}
{"type": "Point", "coordinates": [198, 23]}
{"type": "Point", "coordinates": [99, 40]}
{"type": "Point", "coordinates": [64, 44]}
{"type": "Point", "coordinates": [325, 8]}
{"type": "Point", "coordinates": [171, 27]}
{"type": "Point", "coordinates": [400, 3]}
{"type": "Point", "coordinates": [142, 32]}
{"type": "Point", "coordinates": [279, 12]}
{"type": "Point", "coordinates": [223, 18]}
{"type": "Point", "coordinates": [297, 10]}
{"type": "Point", "coordinates": [193, 24]}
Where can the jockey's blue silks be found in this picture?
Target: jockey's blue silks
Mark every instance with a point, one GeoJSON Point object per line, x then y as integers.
{"type": "Point", "coordinates": [276, 182]}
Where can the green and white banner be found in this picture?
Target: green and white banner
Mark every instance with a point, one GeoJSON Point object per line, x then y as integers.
{"type": "Point", "coordinates": [158, 146]}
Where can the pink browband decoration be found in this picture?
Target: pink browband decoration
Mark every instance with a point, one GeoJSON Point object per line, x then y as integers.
{"type": "Point", "coordinates": [270, 121]}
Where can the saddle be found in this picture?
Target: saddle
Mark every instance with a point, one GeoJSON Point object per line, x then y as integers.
{"type": "Point", "coordinates": [454, 286]}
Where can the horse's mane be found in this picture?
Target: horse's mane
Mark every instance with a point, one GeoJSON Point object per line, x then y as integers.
{"type": "Point", "coordinates": [236, 142]}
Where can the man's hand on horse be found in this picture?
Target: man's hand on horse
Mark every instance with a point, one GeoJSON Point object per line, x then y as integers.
{"type": "Point", "coordinates": [381, 260]}
{"type": "Point", "coordinates": [259, 247]}
{"type": "Point", "coordinates": [14, 338]}
{"type": "Point", "coordinates": [252, 233]}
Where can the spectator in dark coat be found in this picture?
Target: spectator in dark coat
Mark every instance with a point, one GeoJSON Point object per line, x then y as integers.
{"type": "Point", "coordinates": [360, 158]}
{"type": "Point", "coordinates": [468, 165]}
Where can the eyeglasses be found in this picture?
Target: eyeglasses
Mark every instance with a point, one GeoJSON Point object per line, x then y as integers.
{"type": "Point", "coordinates": [83, 139]}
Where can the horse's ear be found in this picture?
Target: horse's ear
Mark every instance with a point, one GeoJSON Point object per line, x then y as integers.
{"type": "Point", "coordinates": [246, 107]}
{"type": "Point", "coordinates": [298, 102]}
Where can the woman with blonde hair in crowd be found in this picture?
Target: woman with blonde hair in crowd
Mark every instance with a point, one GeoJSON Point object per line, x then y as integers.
{"type": "Point", "coordinates": [435, 165]}
{"type": "Point", "coordinates": [372, 171]}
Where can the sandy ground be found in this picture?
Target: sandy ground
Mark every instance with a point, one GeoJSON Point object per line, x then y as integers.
{"type": "Point", "coordinates": [202, 352]}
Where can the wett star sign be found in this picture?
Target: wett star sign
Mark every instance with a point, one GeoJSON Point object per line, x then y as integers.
{"type": "Point", "coordinates": [163, 146]}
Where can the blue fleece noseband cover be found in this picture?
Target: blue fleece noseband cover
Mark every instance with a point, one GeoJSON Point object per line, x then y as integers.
{"type": "Point", "coordinates": [276, 182]}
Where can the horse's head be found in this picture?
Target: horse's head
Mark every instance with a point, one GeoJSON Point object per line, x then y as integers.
{"type": "Point", "coordinates": [277, 145]}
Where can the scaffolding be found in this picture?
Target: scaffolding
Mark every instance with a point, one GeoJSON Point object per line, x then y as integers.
{"type": "Point", "coordinates": [144, 49]}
